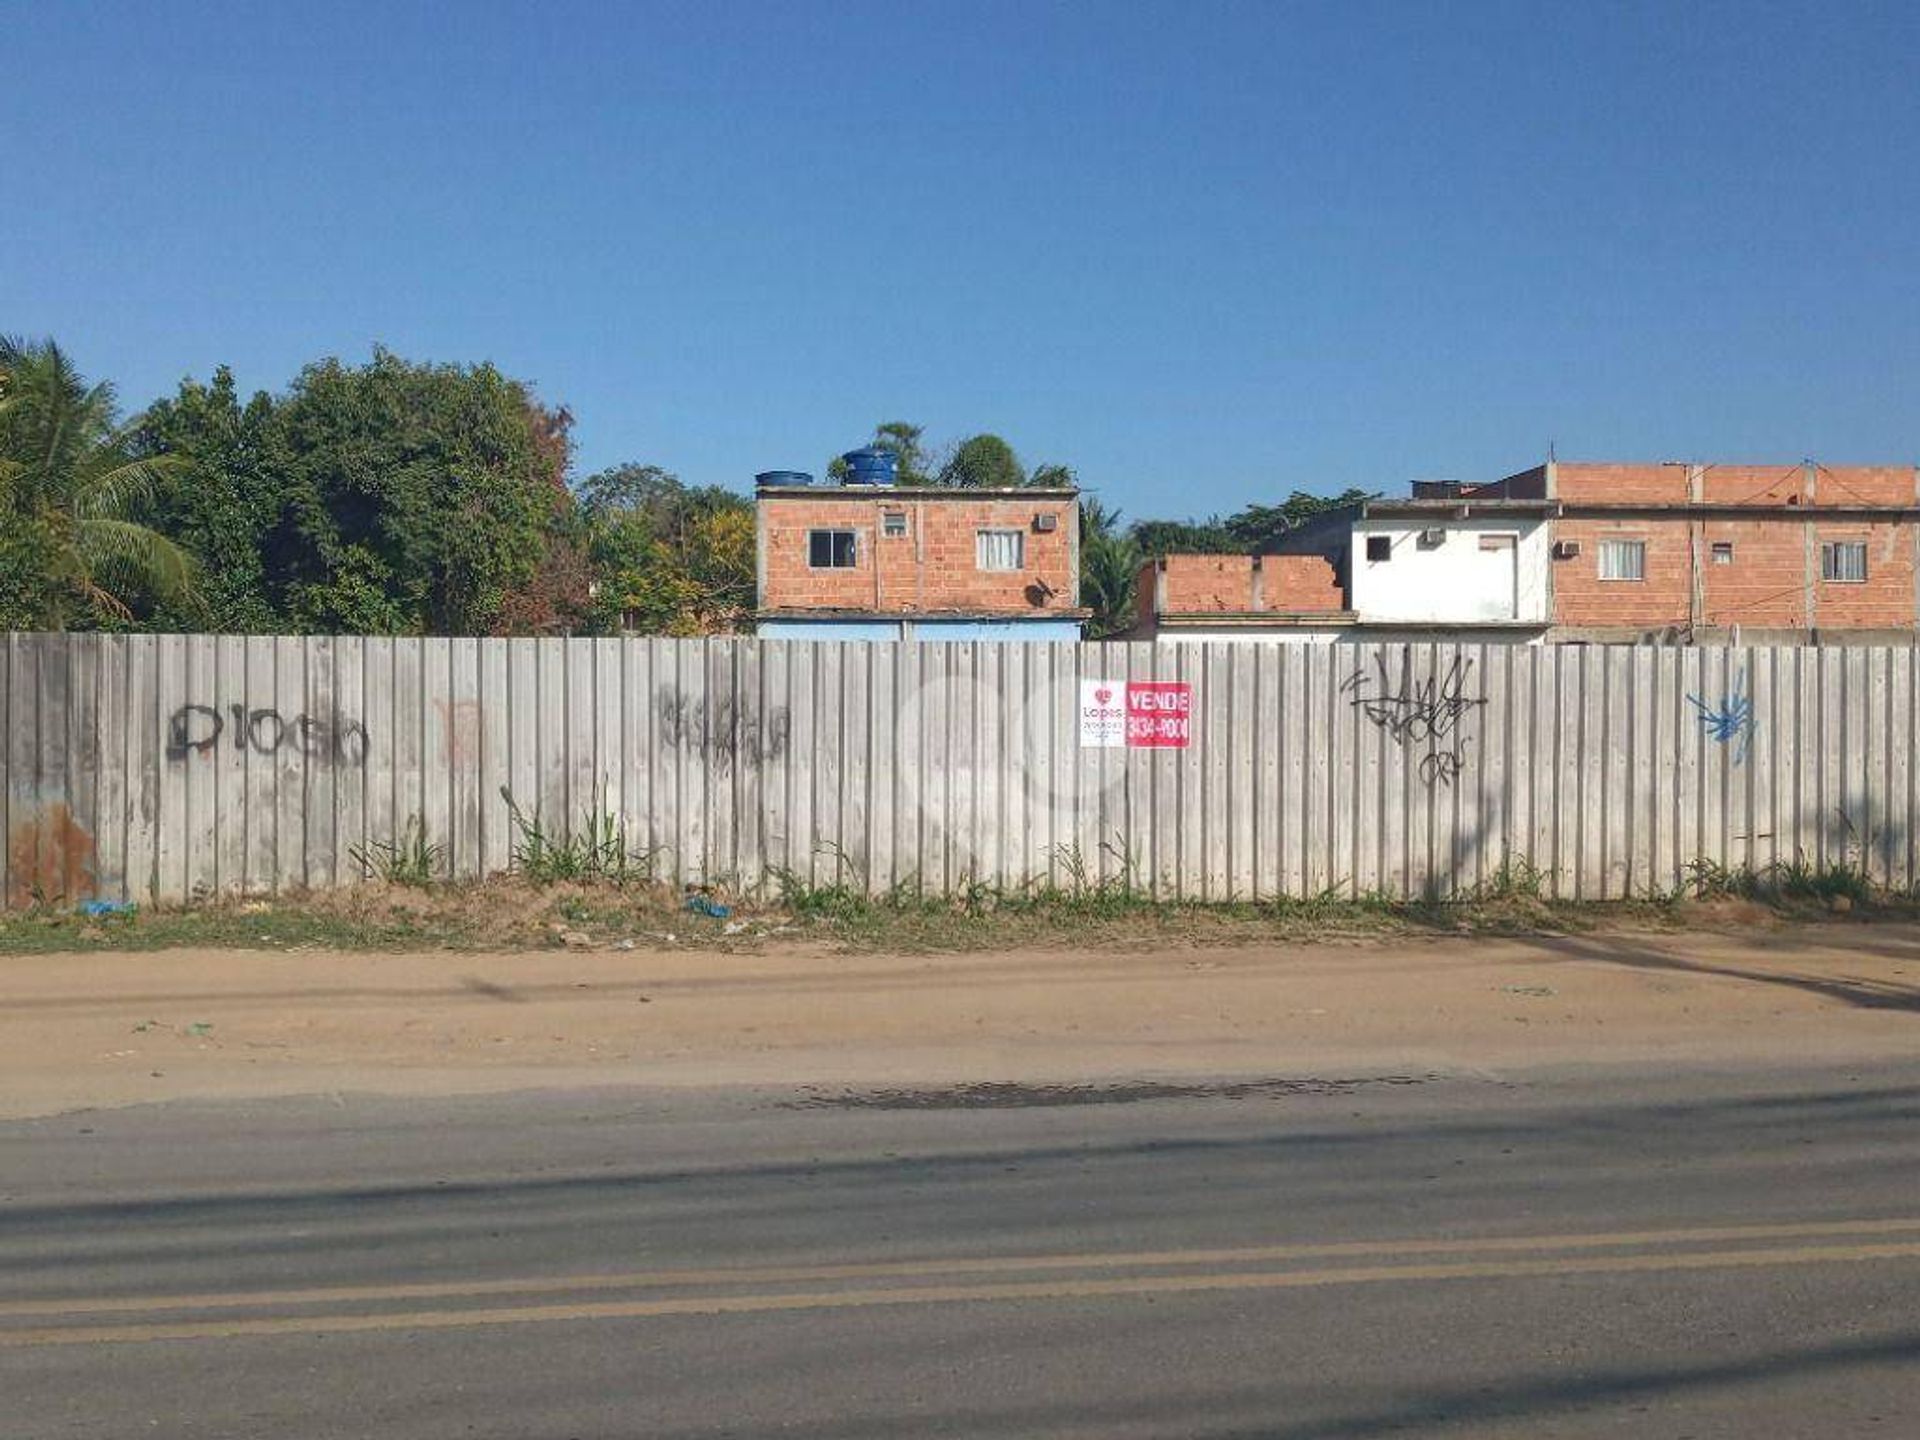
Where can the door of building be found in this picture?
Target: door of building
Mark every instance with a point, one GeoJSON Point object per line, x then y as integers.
{"type": "Point", "coordinates": [1500, 556]}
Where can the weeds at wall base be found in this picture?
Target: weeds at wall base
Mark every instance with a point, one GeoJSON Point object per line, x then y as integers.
{"type": "Point", "coordinates": [619, 909]}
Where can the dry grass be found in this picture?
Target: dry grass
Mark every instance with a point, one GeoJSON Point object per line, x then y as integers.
{"type": "Point", "coordinates": [513, 913]}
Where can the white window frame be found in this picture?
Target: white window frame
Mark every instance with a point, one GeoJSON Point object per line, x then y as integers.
{"type": "Point", "coordinates": [1720, 552]}
{"type": "Point", "coordinates": [984, 538]}
{"type": "Point", "coordinates": [1612, 552]}
{"type": "Point", "coordinates": [853, 548]}
{"type": "Point", "coordinates": [1834, 571]}
{"type": "Point", "coordinates": [893, 524]}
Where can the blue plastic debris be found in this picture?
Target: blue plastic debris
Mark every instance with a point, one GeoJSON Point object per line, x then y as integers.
{"type": "Point", "coordinates": [707, 905]}
{"type": "Point", "coordinates": [95, 909]}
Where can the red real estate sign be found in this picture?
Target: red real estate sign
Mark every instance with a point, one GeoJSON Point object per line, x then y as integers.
{"type": "Point", "coordinates": [1159, 714]}
{"type": "Point", "coordinates": [1139, 714]}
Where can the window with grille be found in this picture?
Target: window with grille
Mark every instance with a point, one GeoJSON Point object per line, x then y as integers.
{"type": "Point", "coordinates": [1723, 552]}
{"type": "Point", "coordinates": [1001, 549]}
{"type": "Point", "coordinates": [1844, 562]}
{"type": "Point", "coordinates": [830, 549]}
{"type": "Point", "coordinates": [1623, 559]}
{"type": "Point", "coordinates": [893, 524]}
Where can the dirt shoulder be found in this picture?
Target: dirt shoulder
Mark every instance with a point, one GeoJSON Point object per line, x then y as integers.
{"type": "Point", "coordinates": [114, 1027]}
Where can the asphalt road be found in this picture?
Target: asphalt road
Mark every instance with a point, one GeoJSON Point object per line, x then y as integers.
{"type": "Point", "coordinates": [1698, 1255]}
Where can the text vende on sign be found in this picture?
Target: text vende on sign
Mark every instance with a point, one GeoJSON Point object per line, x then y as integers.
{"type": "Point", "coordinates": [1159, 714]}
{"type": "Point", "coordinates": [1139, 714]}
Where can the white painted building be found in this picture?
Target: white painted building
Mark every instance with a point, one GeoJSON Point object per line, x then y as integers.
{"type": "Point", "coordinates": [1435, 569]}
{"type": "Point", "coordinates": [1431, 568]}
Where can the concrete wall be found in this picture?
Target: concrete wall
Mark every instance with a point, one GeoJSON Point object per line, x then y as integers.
{"type": "Point", "coordinates": [1456, 581]}
{"type": "Point", "coordinates": [171, 766]}
{"type": "Point", "coordinates": [1258, 634]}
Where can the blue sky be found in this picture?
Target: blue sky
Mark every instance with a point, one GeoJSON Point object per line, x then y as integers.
{"type": "Point", "coordinates": [1205, 253]}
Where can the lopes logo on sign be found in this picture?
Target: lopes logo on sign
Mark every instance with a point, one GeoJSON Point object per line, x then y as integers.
{"type": "Point", "coordinates": [1142, 714]}
{"type": "Point", "coordinates": [1103, 713]}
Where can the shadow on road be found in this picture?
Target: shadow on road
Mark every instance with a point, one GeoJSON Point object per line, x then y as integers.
{"type": "Point", "coordinates": [1858, 991]}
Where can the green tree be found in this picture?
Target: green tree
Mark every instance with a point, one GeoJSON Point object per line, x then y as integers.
{"type": "Point", "coordinates": [1184, 537]}
{"type": "Point", "coordinates": [223, 500]}
{"type": "Point", "coordinates": [983, 462]}
{"type": "Point", "coordinates": [1258, 527]}
{"type": "Point", "coordinates": [1109, 571]}
{"type": "Point", "coordinates": [418, 499]}
{"type": "Point", "coordinates": [70, 483]}
{"type": "Point", "coordinates": [667, 559]}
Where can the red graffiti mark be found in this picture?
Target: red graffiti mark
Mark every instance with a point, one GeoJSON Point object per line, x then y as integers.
{"type": "Point", "coordinates": [50, 856]}
{"type": "Point", "coordinates": [460, 720]}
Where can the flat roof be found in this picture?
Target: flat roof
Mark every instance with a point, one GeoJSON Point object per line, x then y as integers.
{"type": "Point", "coordinates": [1459, 507]}
{"type": "Point", "coordinates": [789, 613]}
{"type": "Point", "coordinates": [915, 492]}
{"type": "Point", "coordinates": [1280, 619]}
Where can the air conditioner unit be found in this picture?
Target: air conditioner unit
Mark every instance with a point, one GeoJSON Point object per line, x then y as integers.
{"type": "Point", "coordinates": [1046, 523]}
{"type": "Point", "coordinates": [1432, 539]}
{"type": "Point", "coordinates": [1566, 549]}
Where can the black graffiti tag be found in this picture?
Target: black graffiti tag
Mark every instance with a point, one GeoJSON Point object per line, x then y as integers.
{"type": "Point", "coordinates": [1432, 712]}
{"type": "Point", "coordinates": [197, 729]}
{"type": "Point", "coordinates": [722, 730]}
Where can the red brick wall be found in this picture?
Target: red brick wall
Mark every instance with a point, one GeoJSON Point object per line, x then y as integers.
{"type": "Point", "coordinates": [1191, 583]}
{"type": "Point", "coordinates": [1764, 584]}
{"type": "Point", "coordinates": [1753, 484]}
{"type": "Point", "coordinates": [1762, 587]}
{"type": "Point", "coordinates": [1621, 484]}
{"type": "Point", "coordinates": [1582, 598]}
{"type": "Point", "coordinates": [1864, 485]}
{"type": "Point", "coordinates": [1734, 484]}
{"type": "Point", "coordinates": [1308, 583]}
{"type": "Point", "coordinates": [933, 568]}
{"type": "Point", "coordinates": [1220, 584]}
{"type": "Point", "coordinates": [1885, 601]}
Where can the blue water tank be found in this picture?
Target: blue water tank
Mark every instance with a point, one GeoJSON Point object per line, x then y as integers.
{"type": "Point", "coordinates": [767, 479]}
{"type": "Point", "coordinates": [871, 465]}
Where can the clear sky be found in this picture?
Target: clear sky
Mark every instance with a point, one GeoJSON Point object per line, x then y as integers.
{"type": "Point", "coordinates": [1205, 253]}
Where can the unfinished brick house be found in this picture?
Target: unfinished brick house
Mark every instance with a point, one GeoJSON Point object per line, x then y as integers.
{"type": "Point", "coordinates": [875, 562]}
{"type": "Point", "coordinates": [1607, 553]}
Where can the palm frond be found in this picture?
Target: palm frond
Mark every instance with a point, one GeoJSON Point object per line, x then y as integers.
{"type": "Point", "coordinates": [129, 556]}
{"type": "Point", "coordinates": [114, 493]}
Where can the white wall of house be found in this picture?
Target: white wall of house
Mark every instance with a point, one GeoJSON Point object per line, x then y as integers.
{"type": "Point", "coordinates": [1484, 634]}
{"type": "Point", "coordinates": [1481, 569]}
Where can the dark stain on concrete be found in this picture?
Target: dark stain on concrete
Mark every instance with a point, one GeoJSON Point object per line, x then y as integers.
{"type": "Point", "coordinates": [1019, 1097]}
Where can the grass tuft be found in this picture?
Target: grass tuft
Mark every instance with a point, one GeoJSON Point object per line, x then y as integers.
{"type": "Point", "coordinates": [596, 850]}
{"type": "Point", "coordinates": [409, 860]}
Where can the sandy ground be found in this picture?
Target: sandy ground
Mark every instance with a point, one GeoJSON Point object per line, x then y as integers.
{"type": "Point", "coordinates": [106, 1029]}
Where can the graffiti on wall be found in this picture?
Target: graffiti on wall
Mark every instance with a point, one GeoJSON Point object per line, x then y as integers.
{"type": "Point", "coordinates": [1730, 719]}
{"type": "Point", "coordinates": [723, 729]}
{"type": "Point", "coordinates": [1430, 715]}
{"type": "Point", "coordinates": [198, 729]}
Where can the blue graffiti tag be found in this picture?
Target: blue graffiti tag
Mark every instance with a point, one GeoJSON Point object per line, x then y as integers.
{"type": "Point", "coordinates": [1731, 721]}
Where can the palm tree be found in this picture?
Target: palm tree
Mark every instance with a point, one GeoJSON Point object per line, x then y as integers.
{"type": "Point", "coordinates": [70, 480]}
{"type": "Point", "coordinates": [1109, 571]}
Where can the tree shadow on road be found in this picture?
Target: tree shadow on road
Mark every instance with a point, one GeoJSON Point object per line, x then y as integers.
{"type": "Point", "coordinates": [1465, 1408]}
{"type": "Point", "coordinates": [1859, 991]}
